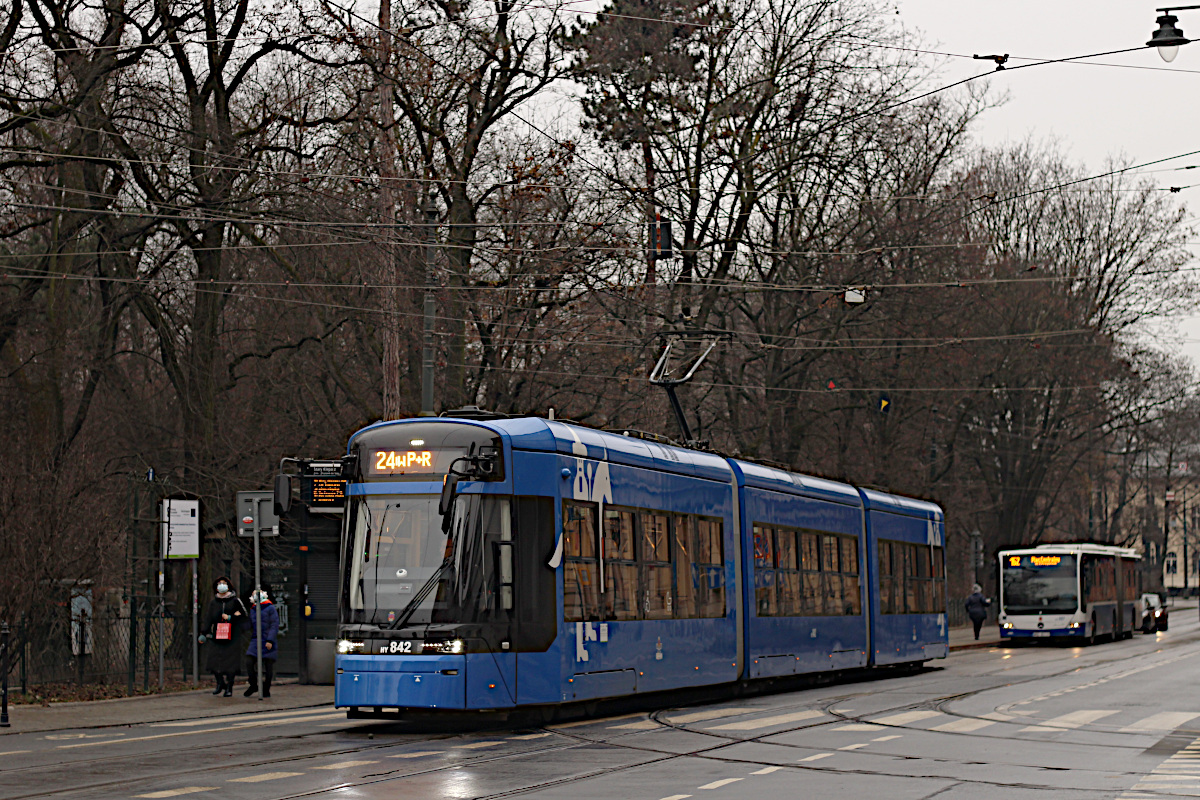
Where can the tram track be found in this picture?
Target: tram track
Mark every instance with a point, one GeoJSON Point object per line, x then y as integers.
{"type": "Point", "coordinates": [625, 740]}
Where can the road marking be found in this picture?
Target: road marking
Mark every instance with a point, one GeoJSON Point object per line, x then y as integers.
{"type": "Point", "coordinates": [13, 752]}
{"type": "Point", "coordinates": [266, 776]}
{"type": "Point", "coordinates": [476, 745]}
{"type": "Point", "coordinates": [346, 764]}
{"type": "Point", "coordinates": [421, 754]}
{"type": "Point", "coordinates": [887, 738]}
{"type": "Point", "coordinates": [222, 729]}
{"type": "Point", "coordinates": [858, 726]}
{"type": "Point", "coordinates": [581, 722]}
{"type": "Point", "coordinates": [529, 736]}
{"type": "Point", "coordinates": [1069, 721]}
{"type": "Point", "coordinates": [677, 797]}
{"type": "Point", "coordinates": [765, 722]}
{"type": "Point", "coordinates": [192, 723]}
{"type": "Point", "coordinates": [854, 746]}
{"type": "Point", "coordinates": [766, 770]}
{"type": "Point", "coordinates": [906, 717]}
{"type": "Point", "coordinates": [965, 725]}
{"type": "Point", "coordinates": [816, 757]}
{"type": "Point", "coordinates": [1166, 721]}
{"type": "Point", "coordinates": [719, 784]}
{"type": "Point", "coordinates": [177, 792]}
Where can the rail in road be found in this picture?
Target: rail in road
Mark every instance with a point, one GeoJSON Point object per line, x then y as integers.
{"type": "Point", "coordinates": [1119, 720]}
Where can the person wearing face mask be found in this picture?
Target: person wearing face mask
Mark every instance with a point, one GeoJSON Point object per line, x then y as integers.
{"type": "Point", "coordinates": [263, 606]}
{"type": "Point", "coordinates": [222, 630]}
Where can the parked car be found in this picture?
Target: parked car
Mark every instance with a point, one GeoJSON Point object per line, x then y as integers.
{"type": "Point", "coordinates": [1154, 614]}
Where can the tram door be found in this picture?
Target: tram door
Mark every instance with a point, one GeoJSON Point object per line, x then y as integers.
{"type": "Point", "coordinates": [535, 606]}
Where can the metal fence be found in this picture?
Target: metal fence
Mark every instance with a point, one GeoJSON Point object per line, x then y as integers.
{"type": "Point", "coordinates": [115, 647]}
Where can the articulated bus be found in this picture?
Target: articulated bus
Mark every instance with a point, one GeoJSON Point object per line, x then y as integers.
{"type": "Point", "coordinates": [493, 563]}
{"type": "Point", "coordinates": [1069, 591]}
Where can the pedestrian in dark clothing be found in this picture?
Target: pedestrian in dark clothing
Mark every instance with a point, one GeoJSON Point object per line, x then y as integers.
{"type": "Point", "coordinates": [977, 607]}
{"type": "Point", "coordinates": [221, 633]}
{"type": "Point", "coordinates": [263, 606]}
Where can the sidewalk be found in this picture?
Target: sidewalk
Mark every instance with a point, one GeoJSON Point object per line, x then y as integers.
{"type": "Point", "coordinates": [162, 707]}
{"type": "Point", "coordinates": [964, 638]}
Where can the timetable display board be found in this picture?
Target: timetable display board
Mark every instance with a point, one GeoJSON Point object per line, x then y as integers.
{"type": "Point", "coordinates": [322, 487]}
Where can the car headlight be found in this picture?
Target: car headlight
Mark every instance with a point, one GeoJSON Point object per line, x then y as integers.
{"type": "Point", "coordinates": [346, 646]}
{"type": "Point", "coordinates": [452, 647]}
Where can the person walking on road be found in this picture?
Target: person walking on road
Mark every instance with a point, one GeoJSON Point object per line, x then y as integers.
{"type": "Point", "coordinates": [263, 607]}
{"type": "Point", "coordinates": [977, 607]}
{"type": "Point", "coordinates": [222, 630]}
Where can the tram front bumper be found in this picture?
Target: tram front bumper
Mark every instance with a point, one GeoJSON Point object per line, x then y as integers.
{"type": "Point", "coordinates": [400, 682]}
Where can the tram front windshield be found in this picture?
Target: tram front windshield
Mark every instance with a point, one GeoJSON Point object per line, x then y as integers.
{"type": "Point", "coordinates": [1040, 584]}
{"type": "Point", "coordinates": [403, 568]}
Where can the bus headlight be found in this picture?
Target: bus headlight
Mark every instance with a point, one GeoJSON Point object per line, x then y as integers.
{"type": "Point", "coordinates": [1006, 625]}
{"type": "Point", "coordinates": [346, 646]}
{"type": "Point", "coordinates": [1076, 625]}
{"type": "Point", "coordinates": [452, 647]}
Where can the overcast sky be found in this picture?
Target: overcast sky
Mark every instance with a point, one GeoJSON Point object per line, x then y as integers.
{"type": "Point", "coordinates": [1132, 105]}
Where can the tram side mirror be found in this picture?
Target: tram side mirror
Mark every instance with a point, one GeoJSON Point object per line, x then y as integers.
{"type": "Point", "coordinates": [446, 503]}
{"type": "Point", "coordinates": [283, 494]}
{"type": "Point", "coordinates": [504, 573]}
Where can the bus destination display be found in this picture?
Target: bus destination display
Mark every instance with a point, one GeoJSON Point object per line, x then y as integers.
{"type": "Point", "coordinates": [1016, 562]}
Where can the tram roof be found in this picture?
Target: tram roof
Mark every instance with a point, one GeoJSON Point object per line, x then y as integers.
{"type": "Point", "coordinates": [876, 500]}
{"type": "Point", "coordinates": [545, 435]}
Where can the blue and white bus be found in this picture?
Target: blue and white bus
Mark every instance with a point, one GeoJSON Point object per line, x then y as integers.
{"type": "Point", "coordinates": [495, 563]}
{"type": "Point", "coordinates": [1069, 591]}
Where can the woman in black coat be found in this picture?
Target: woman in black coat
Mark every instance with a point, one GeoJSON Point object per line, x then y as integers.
{"type": "Point", "coordinates": [977, 606]}
{"type": "Point", "coordinates": [222, 630]}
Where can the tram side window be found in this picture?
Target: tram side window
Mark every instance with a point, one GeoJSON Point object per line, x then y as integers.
{"type": "Point", "coordinates": [912, 578]}
{"type": "Point", "coordinates": [580, 568]}
{"type": "Point", "coordinates": [887, 578]}
{"type": "Point", "coordinates": [789, 586]}
{"type": "Point", "coordinates": [657, 597]}
{"type": "Point", "coordinates": [684, 531]}
{"type": "Point", "coordinates": [709, 568]}
{"type": "Point", "coordinates": [620, 565]}
{"type": "Point", "coordinates": [851, 591]}
{"type": "Point", "coordinates": [810, 575]}
{"type": "Point", "coordinates": [764, 571]}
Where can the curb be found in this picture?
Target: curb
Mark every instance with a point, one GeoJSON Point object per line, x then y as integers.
{"type": "Point", "coordinates": [975, 645]}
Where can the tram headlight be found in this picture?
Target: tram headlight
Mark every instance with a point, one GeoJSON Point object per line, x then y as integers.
{"type": "Point", "coordinates": [452, 647]}
{"type": "Point", "coordinates": [346, 646]}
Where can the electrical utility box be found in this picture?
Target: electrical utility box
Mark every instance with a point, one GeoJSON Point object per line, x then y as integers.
{"type": "Point", "coordinates": [256, 511]}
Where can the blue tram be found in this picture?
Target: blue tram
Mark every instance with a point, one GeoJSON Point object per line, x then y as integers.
{"type": "Point", "coordinates": [498, 563]}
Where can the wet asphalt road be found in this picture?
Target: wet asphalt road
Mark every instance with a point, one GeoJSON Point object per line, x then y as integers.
{"type": "Point", "coordinates": [1118, 720]}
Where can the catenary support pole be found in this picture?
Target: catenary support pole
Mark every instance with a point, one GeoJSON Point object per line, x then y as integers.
{"type": "Point", "coordinates": [4, 639]}
{"type": "Point", "coordinates": [195, 623]}
{"type": "Point", "coordinates": [427, 349]}
{"type": "Point", "coordinates": [258, 609]}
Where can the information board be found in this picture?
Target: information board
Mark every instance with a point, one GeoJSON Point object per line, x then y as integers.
{"type": "Point", "coordinates": [181, 528]}
{"type": "Point", "coordinates": [322, 487]}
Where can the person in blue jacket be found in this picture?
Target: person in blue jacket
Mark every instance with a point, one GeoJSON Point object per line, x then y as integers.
{"type": "Point", "coordinates": [270, 631]}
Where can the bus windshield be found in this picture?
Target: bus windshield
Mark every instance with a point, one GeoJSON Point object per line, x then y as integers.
{"type": "Point", "coordinates": [1040, 584]}
{"type": "Point", "coordinates": [396, 549]}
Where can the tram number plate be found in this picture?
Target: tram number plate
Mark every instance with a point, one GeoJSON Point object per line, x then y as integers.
{"type": "Point", "coordinates": [401, 647]}
{"type": "Point", "coordinates": [1041, 633]}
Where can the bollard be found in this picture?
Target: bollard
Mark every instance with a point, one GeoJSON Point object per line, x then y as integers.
{"type": "Point", "coordinates": [4, 675]}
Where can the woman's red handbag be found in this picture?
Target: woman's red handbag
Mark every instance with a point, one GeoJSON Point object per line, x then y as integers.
{"type": "Point", "coordinates": [224, 631]}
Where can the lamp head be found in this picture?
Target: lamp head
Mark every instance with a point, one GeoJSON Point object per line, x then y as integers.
{"type": "Point", "coordinates": [1167, 38]}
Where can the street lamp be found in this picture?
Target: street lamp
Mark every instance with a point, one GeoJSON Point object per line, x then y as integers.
{"type": "Point", "coordinates": [1168, 38]}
